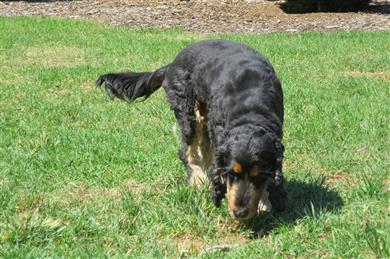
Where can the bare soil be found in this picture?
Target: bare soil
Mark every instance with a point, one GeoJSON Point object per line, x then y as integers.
{"type": "Point", "coordinates": [206, 16]}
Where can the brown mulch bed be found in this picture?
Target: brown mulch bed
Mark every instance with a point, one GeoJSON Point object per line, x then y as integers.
{"type": "Point", "coordinates": [213, 16]}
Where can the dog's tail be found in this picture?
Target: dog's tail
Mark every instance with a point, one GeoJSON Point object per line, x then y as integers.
{"type": "Point", "coordinates": [130, 85]}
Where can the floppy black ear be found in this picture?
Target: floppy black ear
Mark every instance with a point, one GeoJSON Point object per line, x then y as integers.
{"type": "Point", "coordinates": [279, 147]}
{"type": "Point", "coordinates": [219, 185]}
{"type": "Point", "coordinates": [219, 190]}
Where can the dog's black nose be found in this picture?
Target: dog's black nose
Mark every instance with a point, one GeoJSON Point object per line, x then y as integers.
{"type": "Point", "coordinates": [240, 213]}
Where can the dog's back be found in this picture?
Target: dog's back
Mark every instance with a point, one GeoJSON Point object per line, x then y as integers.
{"type": "Point", "coordinates": [232, 76]}
{"type": "Point", "coordinates": [216, 63]}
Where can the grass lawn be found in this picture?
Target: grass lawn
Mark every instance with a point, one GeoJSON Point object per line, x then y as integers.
{"type": "Point", "coordinates": [85, 176]}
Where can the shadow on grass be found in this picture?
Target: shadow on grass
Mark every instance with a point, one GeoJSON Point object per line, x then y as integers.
{"type": "Point", "coordinates": [310, 198]}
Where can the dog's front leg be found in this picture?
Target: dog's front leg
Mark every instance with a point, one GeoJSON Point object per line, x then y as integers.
{"type": "Point", "coordinates": [277, 193]}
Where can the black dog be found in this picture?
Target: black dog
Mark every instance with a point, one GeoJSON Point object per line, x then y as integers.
{"type": "Point", "coordinates": [229, 105]}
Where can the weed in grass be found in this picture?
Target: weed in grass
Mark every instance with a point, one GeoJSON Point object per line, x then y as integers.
{"type": "Point", "coordinates": [376, 240]}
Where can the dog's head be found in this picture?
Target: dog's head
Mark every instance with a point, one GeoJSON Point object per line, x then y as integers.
{"type": "Point", "coordinates": [251, 163]}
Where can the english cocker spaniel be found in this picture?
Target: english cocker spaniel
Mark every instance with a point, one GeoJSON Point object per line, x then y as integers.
{"type": "Point", "coordinates": [229, 105]}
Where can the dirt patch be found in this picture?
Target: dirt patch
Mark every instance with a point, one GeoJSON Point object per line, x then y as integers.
{"type": "Point", "coordinates": [338, 177]}
{"type": "Point", "coordinates": [135, 187]}
{"type": "Point", "coordinates": [50, 56]}
{"type": "Point", "coordinates": [78, 191]}
{"type": "Point", "coordinates": [206, 16]}
{"type": "Point", "coordinates": [188, 244]}
{"type": "Point", "coordinates": [376, 74]}
{"type": "Point", "coordinates": [387, 184]}
{"type": "Point", "coordinates": [83, 193]}
{"type": "Point", "coordinates": [228, 236]}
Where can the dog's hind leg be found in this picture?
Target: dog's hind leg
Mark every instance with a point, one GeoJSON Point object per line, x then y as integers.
{"type": "Point", "coordinates": [199, 153]}
{"type": "Point", "coordinates": [195, 152]}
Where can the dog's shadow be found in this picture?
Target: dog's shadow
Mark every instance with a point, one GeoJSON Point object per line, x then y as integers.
{"type": "Point", "coordinates": [309, 198]}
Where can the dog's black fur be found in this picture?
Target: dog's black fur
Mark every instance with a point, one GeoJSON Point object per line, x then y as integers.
{"type": "Point", "coordinates": [243, 100]}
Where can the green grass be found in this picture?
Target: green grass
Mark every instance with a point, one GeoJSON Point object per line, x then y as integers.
{"type": "Point", "coordinates": [84, 176]}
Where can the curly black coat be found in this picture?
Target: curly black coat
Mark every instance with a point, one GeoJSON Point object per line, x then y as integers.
{"type": "Point", "coordinates": [235, 92]}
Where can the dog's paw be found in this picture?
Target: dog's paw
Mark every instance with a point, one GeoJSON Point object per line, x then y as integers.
{"type": "Point", "coordinates": [264, 203]}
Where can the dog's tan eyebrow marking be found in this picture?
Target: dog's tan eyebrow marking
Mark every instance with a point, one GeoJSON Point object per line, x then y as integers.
{"type": "Point", "coordinates": [254, 171]}
{"type": "Point", "coordinates": [237, 168]}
